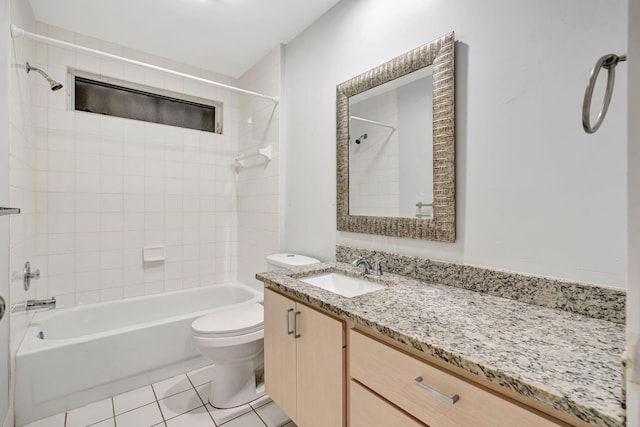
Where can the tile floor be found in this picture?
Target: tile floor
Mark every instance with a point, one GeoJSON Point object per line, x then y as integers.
{"type": "Point", "coordinates": [181, 401]}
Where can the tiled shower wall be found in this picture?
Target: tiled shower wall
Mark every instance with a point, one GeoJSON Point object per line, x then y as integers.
{"type": "Point", "coordinates": [107, 187]}
{"type": "Point", "coordinates": [258, 182]}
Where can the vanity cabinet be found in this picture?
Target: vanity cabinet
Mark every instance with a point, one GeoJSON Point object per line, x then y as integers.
{"type": "Point", "coordinates": [304, 361]}
{"type": "Point", "coordinates": [426, 392]}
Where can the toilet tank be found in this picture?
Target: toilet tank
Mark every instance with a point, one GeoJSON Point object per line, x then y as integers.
{"type": "Point", "coordinates": [287, 260]}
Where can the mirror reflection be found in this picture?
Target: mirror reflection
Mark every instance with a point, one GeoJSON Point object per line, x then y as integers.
{"type": "Point", "coordinates": [391, 148]}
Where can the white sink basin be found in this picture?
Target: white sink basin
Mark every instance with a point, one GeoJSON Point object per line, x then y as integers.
{"type": "Point", "coordinates": [342, 285]}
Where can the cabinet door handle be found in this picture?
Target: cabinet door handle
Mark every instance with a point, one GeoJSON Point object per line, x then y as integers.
{"type": "Point", "coordinates": [289, 331]}
{"type": "Point", "coordinates": [452, 400]}
{"type": "Point", "coordinates": [296, 335]}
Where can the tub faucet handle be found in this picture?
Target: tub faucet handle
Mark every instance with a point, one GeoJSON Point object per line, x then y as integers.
{"type": "Point", "coordinates": [28, 275]}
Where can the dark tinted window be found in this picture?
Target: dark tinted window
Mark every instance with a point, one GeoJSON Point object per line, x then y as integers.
{"type": "Point", "coordinates": [105, 98]}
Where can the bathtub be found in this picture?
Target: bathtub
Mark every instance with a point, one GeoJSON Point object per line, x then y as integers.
{"type": "Point", "coordinates": [95, 351]}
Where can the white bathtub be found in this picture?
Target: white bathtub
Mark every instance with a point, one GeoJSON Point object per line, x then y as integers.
{"type": "Point", "coordinates": [99, 350]}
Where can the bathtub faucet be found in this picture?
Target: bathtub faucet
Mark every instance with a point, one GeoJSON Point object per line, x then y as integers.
{"type": "Point", "coordinates": [35, 304]}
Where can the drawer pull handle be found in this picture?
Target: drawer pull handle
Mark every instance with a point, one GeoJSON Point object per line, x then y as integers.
{"type": "Point", "coordinates": [453, 399]}
{"type": "Point", "coordinates": [289, 331]}
{"type": "Point", "coordinates": [296, 335]}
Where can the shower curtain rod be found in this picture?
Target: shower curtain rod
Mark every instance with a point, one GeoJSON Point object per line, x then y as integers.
{"type": "Point", "coordinates": [373, 122]}
{"type": "Point", "coordinates": [17, 32]}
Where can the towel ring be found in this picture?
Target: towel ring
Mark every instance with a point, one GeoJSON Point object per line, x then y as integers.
{"type": "Point", "coordinates": [608, 62]}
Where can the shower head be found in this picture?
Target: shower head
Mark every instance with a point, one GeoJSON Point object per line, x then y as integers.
{"type": "Point", "coordinates": [362, 138]}
{"type": "Point", "coordinates": [54, 84]}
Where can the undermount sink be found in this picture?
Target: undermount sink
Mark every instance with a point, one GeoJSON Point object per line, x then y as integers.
{"type": "Point", "coordinates": [340, 284]}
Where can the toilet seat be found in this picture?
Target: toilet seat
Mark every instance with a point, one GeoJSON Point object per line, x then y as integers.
{"type": "Point", "coordinates": [246, 319]}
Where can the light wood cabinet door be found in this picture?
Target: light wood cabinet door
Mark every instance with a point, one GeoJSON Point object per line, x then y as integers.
{"type": "Point", "coordinates": [321, 379]}
{"type": "Point", "coordinates": [280, 368]}
{"type": "Point", "coordinates": [304, 358]}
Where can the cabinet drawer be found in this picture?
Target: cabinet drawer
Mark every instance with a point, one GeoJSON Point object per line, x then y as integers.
{"type": "Point", "coordinates": [367, 410]}
{"type": "Point", "coordinates": [392, 375]}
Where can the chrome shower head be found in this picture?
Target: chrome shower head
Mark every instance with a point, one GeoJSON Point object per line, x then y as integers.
{"type": "Point", "coordinates": [362, 138]}
{"type": "Point", "coordinates": [54, 84]}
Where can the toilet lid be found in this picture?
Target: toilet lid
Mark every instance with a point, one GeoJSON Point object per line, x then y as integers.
{"type": "Point", "coordinates": [237, 320]}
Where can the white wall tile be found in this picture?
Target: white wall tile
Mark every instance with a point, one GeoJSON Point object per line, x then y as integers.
{"type": "Point", "coordinates": [61, 243]}
{"type": "Point", "coordinates": [87, 241]}
{"type": "Point", "coordinates": [88, 281]}
{"type": "Point", "coordinates": [61, 222]}
{"type": "Point", "coordinates": [87, 182]}
{"type": "Point", "coordinates": [111, 240]}
{"type": "Point", "coordinates": [85, 222]}
{"type": "Point", "coordinates": [87, 261]}
{"type": "Point", "coordinates": [107, 186]}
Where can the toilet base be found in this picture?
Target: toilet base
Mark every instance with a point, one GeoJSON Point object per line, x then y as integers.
{"type": "Point", "coordinates": [234, 385]}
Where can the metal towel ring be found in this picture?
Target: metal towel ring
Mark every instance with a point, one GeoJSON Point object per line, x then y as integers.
{"type": "Point", "coordinates": [608, 62]}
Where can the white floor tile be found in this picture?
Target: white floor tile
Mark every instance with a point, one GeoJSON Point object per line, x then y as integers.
{"type": "Point", "coordinates": [171, 386]}
{"type": "Point", "coordinates": [203, 392]}
{"type": "Point", "coordinates": [199, 417]}
{"type": "Point", "coordinates": [202, 375]}
{"type": "Point", "coordinates": [133, 399]}
{"type": "Point", "coordinates": [90, 414]}
{"type": "Point", "coordinates": [290, 424]}
{"type": "Point", "coordinates": [54, 421]}
{"type": "Point", "coordinates": [111, 422]}
{"type": "Point", "coordinates": [221, 416]}
{"type": "Point", "coordinates": [272, 415]}
{"type": "Point", "coordinates": [145, 416]}
{"type": "Point", "coordinates": [179, 404]}
{"type": "Point", "coordinates": [261, 401]}
{"type": "Point", "coordinates": [247, 420]}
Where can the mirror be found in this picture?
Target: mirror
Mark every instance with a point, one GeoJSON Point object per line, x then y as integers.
{"type": "Point", "coordinates": [395, 146]}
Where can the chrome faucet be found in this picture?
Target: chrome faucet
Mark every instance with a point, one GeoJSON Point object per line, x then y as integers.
{"type": "Point", "coordinates": [34, 304]}
{"type": "Point", "coordinates": [376, 270]}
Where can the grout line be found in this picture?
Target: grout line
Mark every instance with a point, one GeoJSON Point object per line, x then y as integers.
{"type": "Point", "coordinates": [161, 414]}
{"type": "Point", "coordinates": [203, 402]}
{"type": "Point", "coordinates": [258, 415]}
{"type": "Point", "coordinates": [158, 404]}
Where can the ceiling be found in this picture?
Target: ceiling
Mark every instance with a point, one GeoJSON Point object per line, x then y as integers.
{"type": "Point", "coordinates": [226, 36]}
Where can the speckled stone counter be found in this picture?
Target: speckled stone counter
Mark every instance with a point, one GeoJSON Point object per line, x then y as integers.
{"type": "Point", "coordinates": [582, 298]}
{"type": "Point", "coordinates": [565, 360]}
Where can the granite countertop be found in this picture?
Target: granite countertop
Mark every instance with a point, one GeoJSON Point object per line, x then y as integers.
{"type": "Point", "coordinates": [567, 361]}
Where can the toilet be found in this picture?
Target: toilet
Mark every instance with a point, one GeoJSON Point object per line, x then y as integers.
{"type": "Point", "coordinates": [233, 339]}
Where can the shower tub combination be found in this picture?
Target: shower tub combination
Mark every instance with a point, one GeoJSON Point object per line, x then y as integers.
{"type": "Point", "coordinates": [79, 355]}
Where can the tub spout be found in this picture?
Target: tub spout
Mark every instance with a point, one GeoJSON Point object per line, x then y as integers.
{"type": "Point", "coordinates": [34, 304]}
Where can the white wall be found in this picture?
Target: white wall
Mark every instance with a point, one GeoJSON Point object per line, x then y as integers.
{"type": "Point", "coordinates": [633, 292]}
{"type": "Point", "coordinates": [535, 194]}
